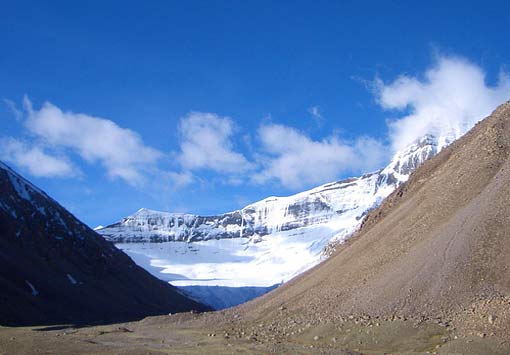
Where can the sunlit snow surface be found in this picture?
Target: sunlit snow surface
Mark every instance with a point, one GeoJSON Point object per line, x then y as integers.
{"type": "Point", "coordinates": [257, 260]}
{"type": "Point", "coordinates": [261, 260]}
{"type": "Point", "coordinates": [233, 262]}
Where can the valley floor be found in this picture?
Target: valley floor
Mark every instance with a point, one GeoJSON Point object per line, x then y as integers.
{"type": "Point", "coordinates": [227, 333]}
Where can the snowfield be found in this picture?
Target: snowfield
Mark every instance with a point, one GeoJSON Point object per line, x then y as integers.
{"type": "Point", "coordinates": [234, 262]}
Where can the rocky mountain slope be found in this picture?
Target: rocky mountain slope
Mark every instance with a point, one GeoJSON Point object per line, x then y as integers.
{"type": "Point", "coordinates": [434, 254]}
{"type": "Point", "coordinates": [56, 269]}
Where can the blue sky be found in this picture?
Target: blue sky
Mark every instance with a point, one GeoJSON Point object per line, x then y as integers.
{"type": "Point", "coordinates": [204, 107]}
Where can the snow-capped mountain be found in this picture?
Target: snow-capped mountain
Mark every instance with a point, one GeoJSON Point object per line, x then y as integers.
{"type": "Point", "coordinates": [343, 202]}
{"type": "Point", "coordinates": [56, 269]}
{"type": "Point", "coordinates": [264, 243]}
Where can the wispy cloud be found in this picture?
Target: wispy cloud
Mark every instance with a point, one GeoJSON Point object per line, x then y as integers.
{"type": "Point", "coordinates": [178, 179]}
{"type": "Point", "coordinates": [450, 98]}
{"type": "Point", "coordinates": [316, 114]}
{"type": "Point", "coordinates": [447, 101]}
{"type": "Point", "coordinates": [18, 114]}
{"type": "Point", "coordinates": [35, 160]}
{"type": "Point", "coordinates": [119, 150]}
{"type": "Point", "coordinates": [206, 143]}
{"type": "Point", "coordinates": [295, 160]}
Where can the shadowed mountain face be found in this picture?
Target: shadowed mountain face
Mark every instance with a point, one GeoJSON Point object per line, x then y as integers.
{"type": "Point", "coordinates": [437, 248]}
{"type": "Point", "coordinates": [56, 269]}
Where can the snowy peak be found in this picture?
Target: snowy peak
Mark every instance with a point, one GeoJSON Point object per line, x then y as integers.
{"type": "Point", "coordinates": [406, 161]}
{"type": "Point", "coordinates": [341, 204]}
{"type": "Point", "coordinates": [409, 159]}
{"type": "Point", "coordinates": [154, 226]}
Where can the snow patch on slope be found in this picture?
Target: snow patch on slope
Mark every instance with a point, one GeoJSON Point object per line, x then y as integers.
{"type": "Point", "coordinates": [33, 290]}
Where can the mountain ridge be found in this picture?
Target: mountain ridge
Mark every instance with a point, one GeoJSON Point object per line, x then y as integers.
{"type": "Point", "coordinates": [147, 225]}
{"type": "Point", "coordinates": [56, 269]}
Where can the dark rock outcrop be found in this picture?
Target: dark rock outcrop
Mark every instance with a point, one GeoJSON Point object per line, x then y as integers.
{"type": "Point", "coordinates": [55, 269]}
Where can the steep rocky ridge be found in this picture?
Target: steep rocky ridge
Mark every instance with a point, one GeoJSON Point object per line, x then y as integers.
{"type": "Point", "coordinates": [56, 269]}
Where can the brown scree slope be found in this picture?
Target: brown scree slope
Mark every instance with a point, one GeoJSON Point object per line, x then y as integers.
{"type": "Point", "coordinates": [438, 246]}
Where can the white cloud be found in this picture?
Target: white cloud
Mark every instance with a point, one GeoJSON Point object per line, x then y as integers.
{"type": "Point", "coordinates": [296, 160]}
{"type": "Point", "coordinates": [120, 150]}
{"type": "Point", "coordinates": [180, 179]}
{"type": "Point", "coordinates": [35, 159]}
{"type": "Point", "coordinates": [12, 107]}
{"type": "Point", "coordinates": [206, 143]}
{"type": "Point", "coordinates": [452, 96]}
{"type": "Point", "coordinates": [316, 114]}
{"type": "Point", "coordinates": [448, 99]}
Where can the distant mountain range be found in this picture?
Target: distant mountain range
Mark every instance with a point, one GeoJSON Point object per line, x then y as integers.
{"type": "Point", "coordinates": [343, 202]}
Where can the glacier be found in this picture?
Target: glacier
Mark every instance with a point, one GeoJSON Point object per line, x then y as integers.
{"type": "Point", "coordinates": [267, 242]}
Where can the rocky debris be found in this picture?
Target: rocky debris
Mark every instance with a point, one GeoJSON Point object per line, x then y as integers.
{"type": "Point", "coordinates": [490, 316]}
